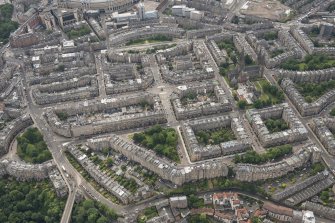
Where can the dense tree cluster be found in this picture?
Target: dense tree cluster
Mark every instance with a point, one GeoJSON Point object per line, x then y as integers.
{"type": "Point", "coordinates": [32, 148]}
{"type": "Point", "coordinates": [75, 33]}
{"type": "Point", "coordinates": [218, 184]}
{"type": "Point", "coordinates": [152, 38]}
{"type": "Point", "coordinates": [312, 91]}
{"type": "Point", "coordinates": [242, 104]}
{"type": "Point", "coordinates": [29, 202]}
{"type": "Point", "coordinates": [162, 141]}
{"type": "Point", "coordinates": [270, 35]}
{"type": "Point", "coordinates": [90, 211]}
{"type": "Point", "coordinates": [215, 137]}
{"type": "Point", "coordinates": [248, 60]}
{"type": "Point", "coordinates": [272, 154]}
{"type": "Point", "coordinates": [6, 25]}
{"type": "Point", "coordinates": [332, 112]}
{"type": "Point", "coordinates": [229, 46]}
{"type": "Point", "coordinates": [276, 125]}
{"type": "Point", "coordinates": [62, 116]}
{"type": "Point", "coordinates": [317, 168]}
{"type": "Point", "coordinates": [331, 7]}
{"type": "Point", "coordinates": [194, 201]}
{"type": "Point", "coordinates": [275, 96]}
{"type": "Point", "coordinates": [315, 31]}
{"type": "Point", "coordinates": [310, 62]}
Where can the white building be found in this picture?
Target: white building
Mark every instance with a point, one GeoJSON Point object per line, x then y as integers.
{"type": "Point", "coordinates": [308, 217]}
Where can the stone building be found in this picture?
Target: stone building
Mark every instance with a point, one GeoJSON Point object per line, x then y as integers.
{"type": "Point", "coordinates": [300, 186]}
{"type": "Point", "coordinates": [101, 177]}
{"type": "Point", "coordinates": [124, 118]}
{"type": "Point", "coordinates": [72, 94]}
{"type": "Point", "coordinates": [58, 182]}
{"type": "Point", "coordinates": [305, 108]}
{"type": "Point", "coordinates": [122, 38]}
{"type": "Point", "coordinates": [326, 181]}
{"type": "Point", "coordinates": [11, 130]}
{"type": "Point", "coordinates": [319, 209]}
{"type": "Point", "coordinates": [26, 172]}
{"type": "Point", "coordinates": [199, 108]}
{"type": "Point", "coordinates": [324, 128]}
{"type": "Point", "coordinates": [199, 152]}
{"type": "Point", "coordinates": [175, 173]}
{"type": "Point", "coordinates": [103, 5]}
{"type": "Point", "coordinates": [127, 77]}
{"type": "Point", "coordinates": [249, 172]}
{"type": "Point", "coordinates": [296, 132]}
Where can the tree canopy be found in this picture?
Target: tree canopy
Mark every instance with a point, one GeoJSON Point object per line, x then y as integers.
{"type": "Point", "coordinates": [29, 202]}
{"type": "Point", "coordinates": [90, 211]}
{"type": "Point", "coordinates": [162, 141]}
{"type": "Point", "coordinates": [274, 153]}
{"type": "Point", "coordinates": [32, 148]}
{"type": "Point", "coordinates": [6, 25]}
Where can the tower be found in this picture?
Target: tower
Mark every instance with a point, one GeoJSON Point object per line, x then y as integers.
{"type": "Point", "coordinates": [141, 11]}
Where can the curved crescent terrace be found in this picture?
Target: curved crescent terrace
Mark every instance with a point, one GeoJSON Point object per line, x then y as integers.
{"type": "Point", "coordinates": [167, 111]}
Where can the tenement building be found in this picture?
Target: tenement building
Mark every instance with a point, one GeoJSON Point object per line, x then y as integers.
{"type": "Point", "coordinates": [177, 174]}
{"type": "Point", "coordinates": [11, 130]}
{"type": "Point", "coordinates": [250, 172]}
{"type": "Point", "coordinates": [295, 133]}
{"type": "Point", "coordinates": [324, 129]}
{"type": "Point", "coordinates": [199, 99]}
{"type": "Point", "coordinates": [107, 115]}
{"type": "Point", "coordinates": [305, 108]}
{"type": "Point", "coordinates": [26, 172]}
{"type": "Point", "coordinates": [101, 177]}
{"type": "Point", "coordinates": [198, 151]}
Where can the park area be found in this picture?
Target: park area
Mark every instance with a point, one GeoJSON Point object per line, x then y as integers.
{"type": "Point", "coordinates": [312, 91]}
{"type": "Point", "coordinates": [161, 140]}
{"type": "Point", "coordinates": [32, 148]}
{"type": "Point", "coordinates": [29, 202]}
{"type": "Point", "coordinates": [270, 94]}
{"type": "Point", "coordinates": [75, 33]}
{"type": "Point", "coordinates": [310, 62]}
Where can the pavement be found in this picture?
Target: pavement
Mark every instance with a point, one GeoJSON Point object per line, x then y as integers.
{"type": "Point", "coordinates": [76, 182]}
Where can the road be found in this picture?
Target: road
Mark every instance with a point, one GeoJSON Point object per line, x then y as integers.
{"type": "Point", "coordinates": [76, 182]}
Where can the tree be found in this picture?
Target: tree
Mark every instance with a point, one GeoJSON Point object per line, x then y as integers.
{"type": "Point", "coordinates": [109, 162]}
{"type": "Point", "coordinates": [138, 137]}
{"type": "Point", "coordinates": [102, 219]}
{"type": "Point", "coordinates": [248, 60]}
{"type": "Point", "coordinates": [105, 151]}
{"type": "Point", "coordinates": [242, 104]}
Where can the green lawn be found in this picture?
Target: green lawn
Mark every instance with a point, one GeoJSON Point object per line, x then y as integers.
{"type": "Point", "coordinates": [32, 148]}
